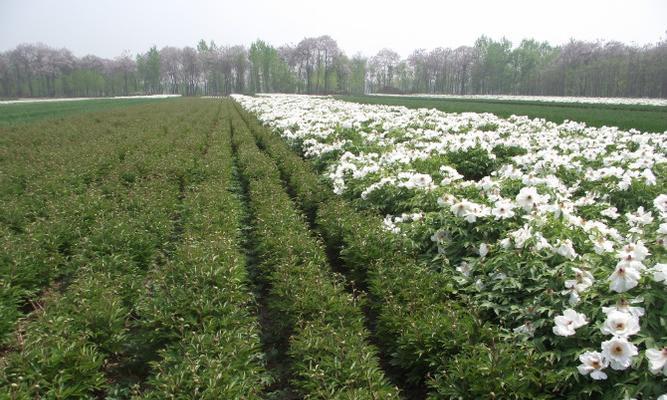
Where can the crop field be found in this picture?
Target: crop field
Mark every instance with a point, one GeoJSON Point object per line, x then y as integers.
{"type": "Point", "coordinates": [25, 112]}
{"type": "Point", "coordinates": [649, 117]}
{"type": "Point", "coordinates": [295, 247]}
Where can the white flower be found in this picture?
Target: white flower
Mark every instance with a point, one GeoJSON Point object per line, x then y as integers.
{"type": "Point", "coordinates": [466, 209]}
{"type": "Point", "coordinates": [657, 360]}
{"type": "Point", "coordinates": [611, 212]}
{"type": "Point", "coordinates": [582, 281]}
{"type": "Point", "coordinates": [574, 297]}
{"type": "Point", "coordinates": [461, 208]}
{"type": "Point", "coordinates": [568, 322]}
{"type": "Point", "coordinates": [526, 329]}
{"type": "Point", "coordinates": [528, 198]}
{"type": "Point", "coordinates": [446, 200]}
{"type": "Point", "coordinates": [566, 249]}
{"type": "Point", "coordinates": [660, 273]}
{"type": "Point", "coordinates": [619, 352]}
{"type": "Point", "coordinates": [464, 268]}
{"type": "Point", "coordinates": [624, 278]}
{"type": "Point", "coordinates": [541, 242]}
{"type": "Point", "coordinates": [503, 209]}
{"type": "Point", "coordinates": [662, 397]}
{"type": "Point", "coordinates": [640, 217]}
{"type": "Point", "coordinates": [660, 203]}
{"type": "Point", "coordinates": [620, 324]}
{"type": "Point", "coordinates": [634, 252]}
{"type": "Point", "coordinates": [625, 307]}
{"type": "Point", "coordinates": [649, 177]}
{"type": "Point", "coordinates": [521, 235]}
{"type": "Point", "coordinates": [483, 250]}
{"type": "Point", "coordinates": [450, 175]}
{"type": "Point", "coordinates": [593, 362]}
{"type": "Point", "coordinates": [506, 243]}
{"type": "Point", "coordinates": [479, 285]}
{"type": "Point", "coordinates": [601, 245]}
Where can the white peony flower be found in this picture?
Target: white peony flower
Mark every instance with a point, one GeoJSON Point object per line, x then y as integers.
{"type": "Point", "coordinates": [657, 359]}
{"type": "Point", "coordinates": [574, 298]}
{"type": "Point", "coordinates": [526, 329]}
{"type": "Point", "coordinates": [593, 362]}
{"type": "Point", "coordinates": [506, 243]}
{"type": "Point", "coordinates": [567, 323]}
{"type": "Point", "coordinates": [620, 324]}
{"type": "Point", "coordinates": [624, 278]}
{"type": "Point", "coordinates": [601, 245]}
{"type": "Point", "coordinates": [446, 200]}
{"type": "Point", "coordinates": [464, 268]}
{"type": "Point", "coordinates": [461, 208]}
{"type": "Point", "coordinates": [662, 229]}
{"type": "Point", "coordinates": [502, 209]}
{"type": "Point", "coordinates": [625, 307]}
{"type": "Point", "coordinates": [483, 250]}
{"type": "Point", "coordinates": [611, 212]}
{"type": "Point", "coordinates": [660, 203]}
{"type": "Point", "coordinates": [566, 249]}
{"type": "Point", "coordinates": [634, 252]}
{"type": "Point", "coordinates": [529, 199]}
{"type": "Point", "coordinates": [582, 281]}
{"type": "Point", "coordinates": [521, 235]}
{"type": "Point", "coordinates": [619, 352]}
{"type": "Point", "coordinates": [660, 273]}
{"type": "Point", "coordinates": [640, 217]}
{"type": "Point", "coordinates": [541, 242]}
{"type": "Point", "coordinates": [467, 210]}
{"type": "Point", "coordinates": [479, 285]}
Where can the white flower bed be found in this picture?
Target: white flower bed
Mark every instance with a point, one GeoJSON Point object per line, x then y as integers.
{"type": "Point", "coordinates": [545, 99]}
{"type": "Point", "coordinates": [556, 229]}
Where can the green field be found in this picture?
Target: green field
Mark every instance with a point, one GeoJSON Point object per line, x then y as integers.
{"type": "Point", "coordinates": [180, 249]}
{"type": "Point", "coordinates": [29, 112]}
{"type": "Point", "coordinates": [643, 118]}
{"type": "Point", "coordinates": [153, 251]}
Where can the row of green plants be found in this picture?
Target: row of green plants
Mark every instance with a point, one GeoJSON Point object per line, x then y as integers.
{"type": "Point", "coordinates": [52, 188]}
{"type": "Point", "coordinates": [199, 311]}
{"type": "Point", "coordinates": [426, 328]}
{"type": "Point", "coordinates": [87, 334]}
{"type": "Point", "coordinates": [328, 349]}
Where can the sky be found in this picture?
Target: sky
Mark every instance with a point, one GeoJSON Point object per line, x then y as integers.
{"type": "Point", "coordinates": [108, 28]}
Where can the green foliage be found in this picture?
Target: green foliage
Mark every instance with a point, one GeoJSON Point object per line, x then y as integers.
{"type": "Point", "coordinates": [473, 164]}
{"type": "Point", "coordinates": [328, 348]}
{"type": "Point", "coordinates": [133, 263]}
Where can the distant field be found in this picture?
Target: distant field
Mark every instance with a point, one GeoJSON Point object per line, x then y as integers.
{"type": "Point", "coordinates": [643, 118]}
{"type": "Point", "coordinates": [19, 113]}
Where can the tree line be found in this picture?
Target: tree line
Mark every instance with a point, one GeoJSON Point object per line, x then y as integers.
{"type": "Point", "coordinates": [316, 65]}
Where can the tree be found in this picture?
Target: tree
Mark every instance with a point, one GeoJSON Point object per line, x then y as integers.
{"type": "Point", "coordinates": [381, 70]}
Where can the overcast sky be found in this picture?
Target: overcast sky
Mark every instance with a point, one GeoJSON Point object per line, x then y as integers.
{"type": "Point", "coordinates": [109, 27]}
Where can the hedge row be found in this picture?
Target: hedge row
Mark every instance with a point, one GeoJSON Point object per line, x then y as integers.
{"type": "Point", "coordinates": [426, 329]}
{"type": "Point", "coordinates": [328, 347]}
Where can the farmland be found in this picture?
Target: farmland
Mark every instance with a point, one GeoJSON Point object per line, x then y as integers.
{"type": "Point", "coordinates": [645, 118]}
{"type": "Point", "coordinates": [288, 247]}
{"type": "Point", "coordinates": [24, 112]}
